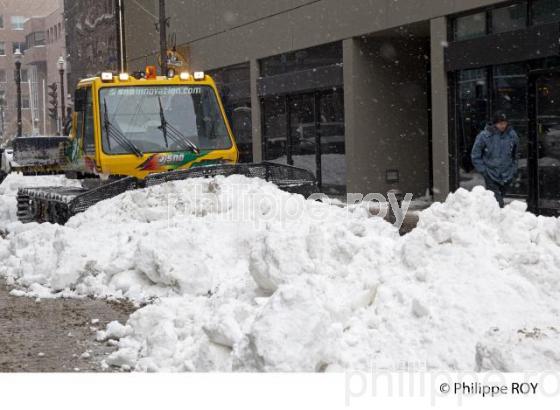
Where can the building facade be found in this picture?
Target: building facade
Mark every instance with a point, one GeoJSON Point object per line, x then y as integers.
{"type": "Point", "coordinates": [91, 36]}
{"type": "Point", "coordinates": [20, 30]}
{"type": "Point", "coordinates": [376, 95]}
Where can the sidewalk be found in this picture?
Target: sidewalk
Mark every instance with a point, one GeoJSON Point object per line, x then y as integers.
{"type": "Point", "coordinates": [54, 335]}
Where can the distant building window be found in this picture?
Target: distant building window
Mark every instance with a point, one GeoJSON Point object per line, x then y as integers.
{"type": "Point", "coordinates": [24, 76]}
{"type": "Point", "coordinates": [3, 76]}
{"type": "Point", "coordinates": [18, 46]}
{"type": "Point", "coordinates": [2, 98]}
{"type": "Point", "coordinates": [18, 22]}
{"type": "Point", "coordinates": [1, 21]}
{"type": "Point", "coordinates": [25, 102]}
{"type": "Point", "coordinates": [35, 39]}
{"type": "Point", "coordinates": [2, 48]}
{"type": "Point", "coordinates": [509, 18]}
{"type": "Point", "coordinates": [546, 11]}
{"type": "Point", "coordinates": [471, 26]}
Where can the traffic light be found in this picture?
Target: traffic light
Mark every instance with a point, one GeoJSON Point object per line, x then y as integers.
{"type": "Point", "coordinates": [53, 101]}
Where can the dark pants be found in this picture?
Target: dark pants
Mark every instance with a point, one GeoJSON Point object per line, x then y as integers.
{"type": "Point", "coordinates": [498, 189]}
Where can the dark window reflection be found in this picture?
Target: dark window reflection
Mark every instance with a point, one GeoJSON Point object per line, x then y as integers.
{"type": "Point", "coordinates": [509, 18]}
{"type": "Point", "coordinates": [275, 128]}
{"type": "Point", "coordinates": [548, 136]}
{"type": "Point", "coordinates": [510, 95]}
{"type": "Point", "coordinates": [472, 116]}
{"type": "Point", "coordinates": [333, 150]}
{"type": "Point", "coordinates": [507, 92]}
{"type": "Point", "coordinates": [308, 116]}
{"type": "Point", "coordinates": [471, 26]}
{"type": "Point", "coordinates": [300, 60]}
{"type": "Point", "coordinates": [546, 11]}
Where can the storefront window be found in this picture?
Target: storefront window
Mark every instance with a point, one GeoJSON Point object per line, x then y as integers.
{"type": "Point", "coordinates": [333, 147]}
{"type": "Point", "coordinates": [472, 116]}
{"type": "Point", "coordinates": [510, 96]}
{"type": "Point", "coordinates": [470, 26]}
{"type": "Point", "coordinates": [546, 11]}
{"type": "Point", "coordinates": [510, 88]}
{"type": "Point", "coordinates": [307, 59]}
{"type": "Point", "coordinates": [274, 128]}
{"type": "Point", "coordinates": [509, 18]}
{"type": "Point", "coordinates": [308, 116]}
{"type": "Point", "coordinates": [548, 139]}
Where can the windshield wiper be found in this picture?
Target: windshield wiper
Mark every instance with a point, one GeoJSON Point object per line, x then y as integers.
{"type": "Point", "coordinates": [118, 136]}
{"type": "Point", "coordinates": [169, 131]}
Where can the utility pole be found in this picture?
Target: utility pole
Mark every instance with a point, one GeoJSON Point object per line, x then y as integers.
{"type": "Point", "coordinates": [61, 67]}
{"type": "Point", "coordinates": [53, 109]}
{"type": "Point", "coordinates": [17, 56]}
{"type": "Point", "coordinates": [2, 117]}
{"type": "Point", "coordinates": [121, 44]}
{"type": "Point", "coordinates": [163, 36]}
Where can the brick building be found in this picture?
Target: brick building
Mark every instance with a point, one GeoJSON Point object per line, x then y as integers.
{"type": "Point", "coordinates": [20, 29]}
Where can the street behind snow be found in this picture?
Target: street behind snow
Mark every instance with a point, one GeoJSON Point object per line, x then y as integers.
{"type": "Point", "coordinates": [54, 335]}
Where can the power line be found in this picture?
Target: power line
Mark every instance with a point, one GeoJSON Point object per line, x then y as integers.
{"type": "Point", "coordinates": [145, 9]}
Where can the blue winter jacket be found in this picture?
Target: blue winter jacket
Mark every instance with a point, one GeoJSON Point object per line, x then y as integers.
{"type": "Point", "coordinates": [495, 154]}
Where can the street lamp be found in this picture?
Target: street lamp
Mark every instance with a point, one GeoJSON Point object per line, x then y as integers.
{"type": "Point", "coordinates": [61, 67]}
{"type": "Point", "coordinates": [17, 56]}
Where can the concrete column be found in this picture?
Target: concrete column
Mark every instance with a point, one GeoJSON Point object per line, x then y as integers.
{"type": "Point", "coordinates": [256, 112]}
{"type": "Point", "coordinates": [440, 113]}
{"type": "Point", "coordinates": [355, 173]}
{"type": "Point", "coordinates": [385, 86]}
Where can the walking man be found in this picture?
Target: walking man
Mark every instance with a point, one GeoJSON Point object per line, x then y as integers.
{"type": "Point", "coordinates": [494, 155]}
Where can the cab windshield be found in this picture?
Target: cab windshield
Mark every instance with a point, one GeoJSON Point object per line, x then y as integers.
{"type": "Point", "coordinates": [140, 119]}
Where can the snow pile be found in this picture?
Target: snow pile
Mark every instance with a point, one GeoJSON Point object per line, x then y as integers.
{"type": "Point", "coordinates": [192, 237]}
{"type": "Point", "coordinates": [531, 350]}
{"type": "Point", "coordinates": [249, 278]}
{"type": "Point", "coordinates": [468, 267]}
{"type": "Point", "coordinates": [9, 188]}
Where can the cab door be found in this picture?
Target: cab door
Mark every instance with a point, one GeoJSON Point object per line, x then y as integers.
{"type": "Point", "coordinates": [81, 153]}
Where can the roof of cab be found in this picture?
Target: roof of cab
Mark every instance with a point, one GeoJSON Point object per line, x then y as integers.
{"type": "Point", "coordinates": [159, 80]}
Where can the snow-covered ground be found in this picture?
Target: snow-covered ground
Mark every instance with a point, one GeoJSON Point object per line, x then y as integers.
{"type": "Point", "coordinates": [9, 188]}
{"type": "Point", "coordinates": [241, 276]}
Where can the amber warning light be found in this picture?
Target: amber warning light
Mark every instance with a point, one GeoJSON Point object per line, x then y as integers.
{"type": "Point", "coordinates": [151, 72]}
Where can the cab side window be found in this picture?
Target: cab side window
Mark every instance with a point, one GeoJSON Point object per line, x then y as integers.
{"type": "Point", "coordinates": [89, 140]}
{"type": "Point", "coordinates": [80, 126]}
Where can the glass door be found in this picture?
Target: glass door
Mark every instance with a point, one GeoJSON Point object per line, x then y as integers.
{"type": "Point", "coordinates": [307, 131]}
{"type": "Point", "coordinates": [547, 135]}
